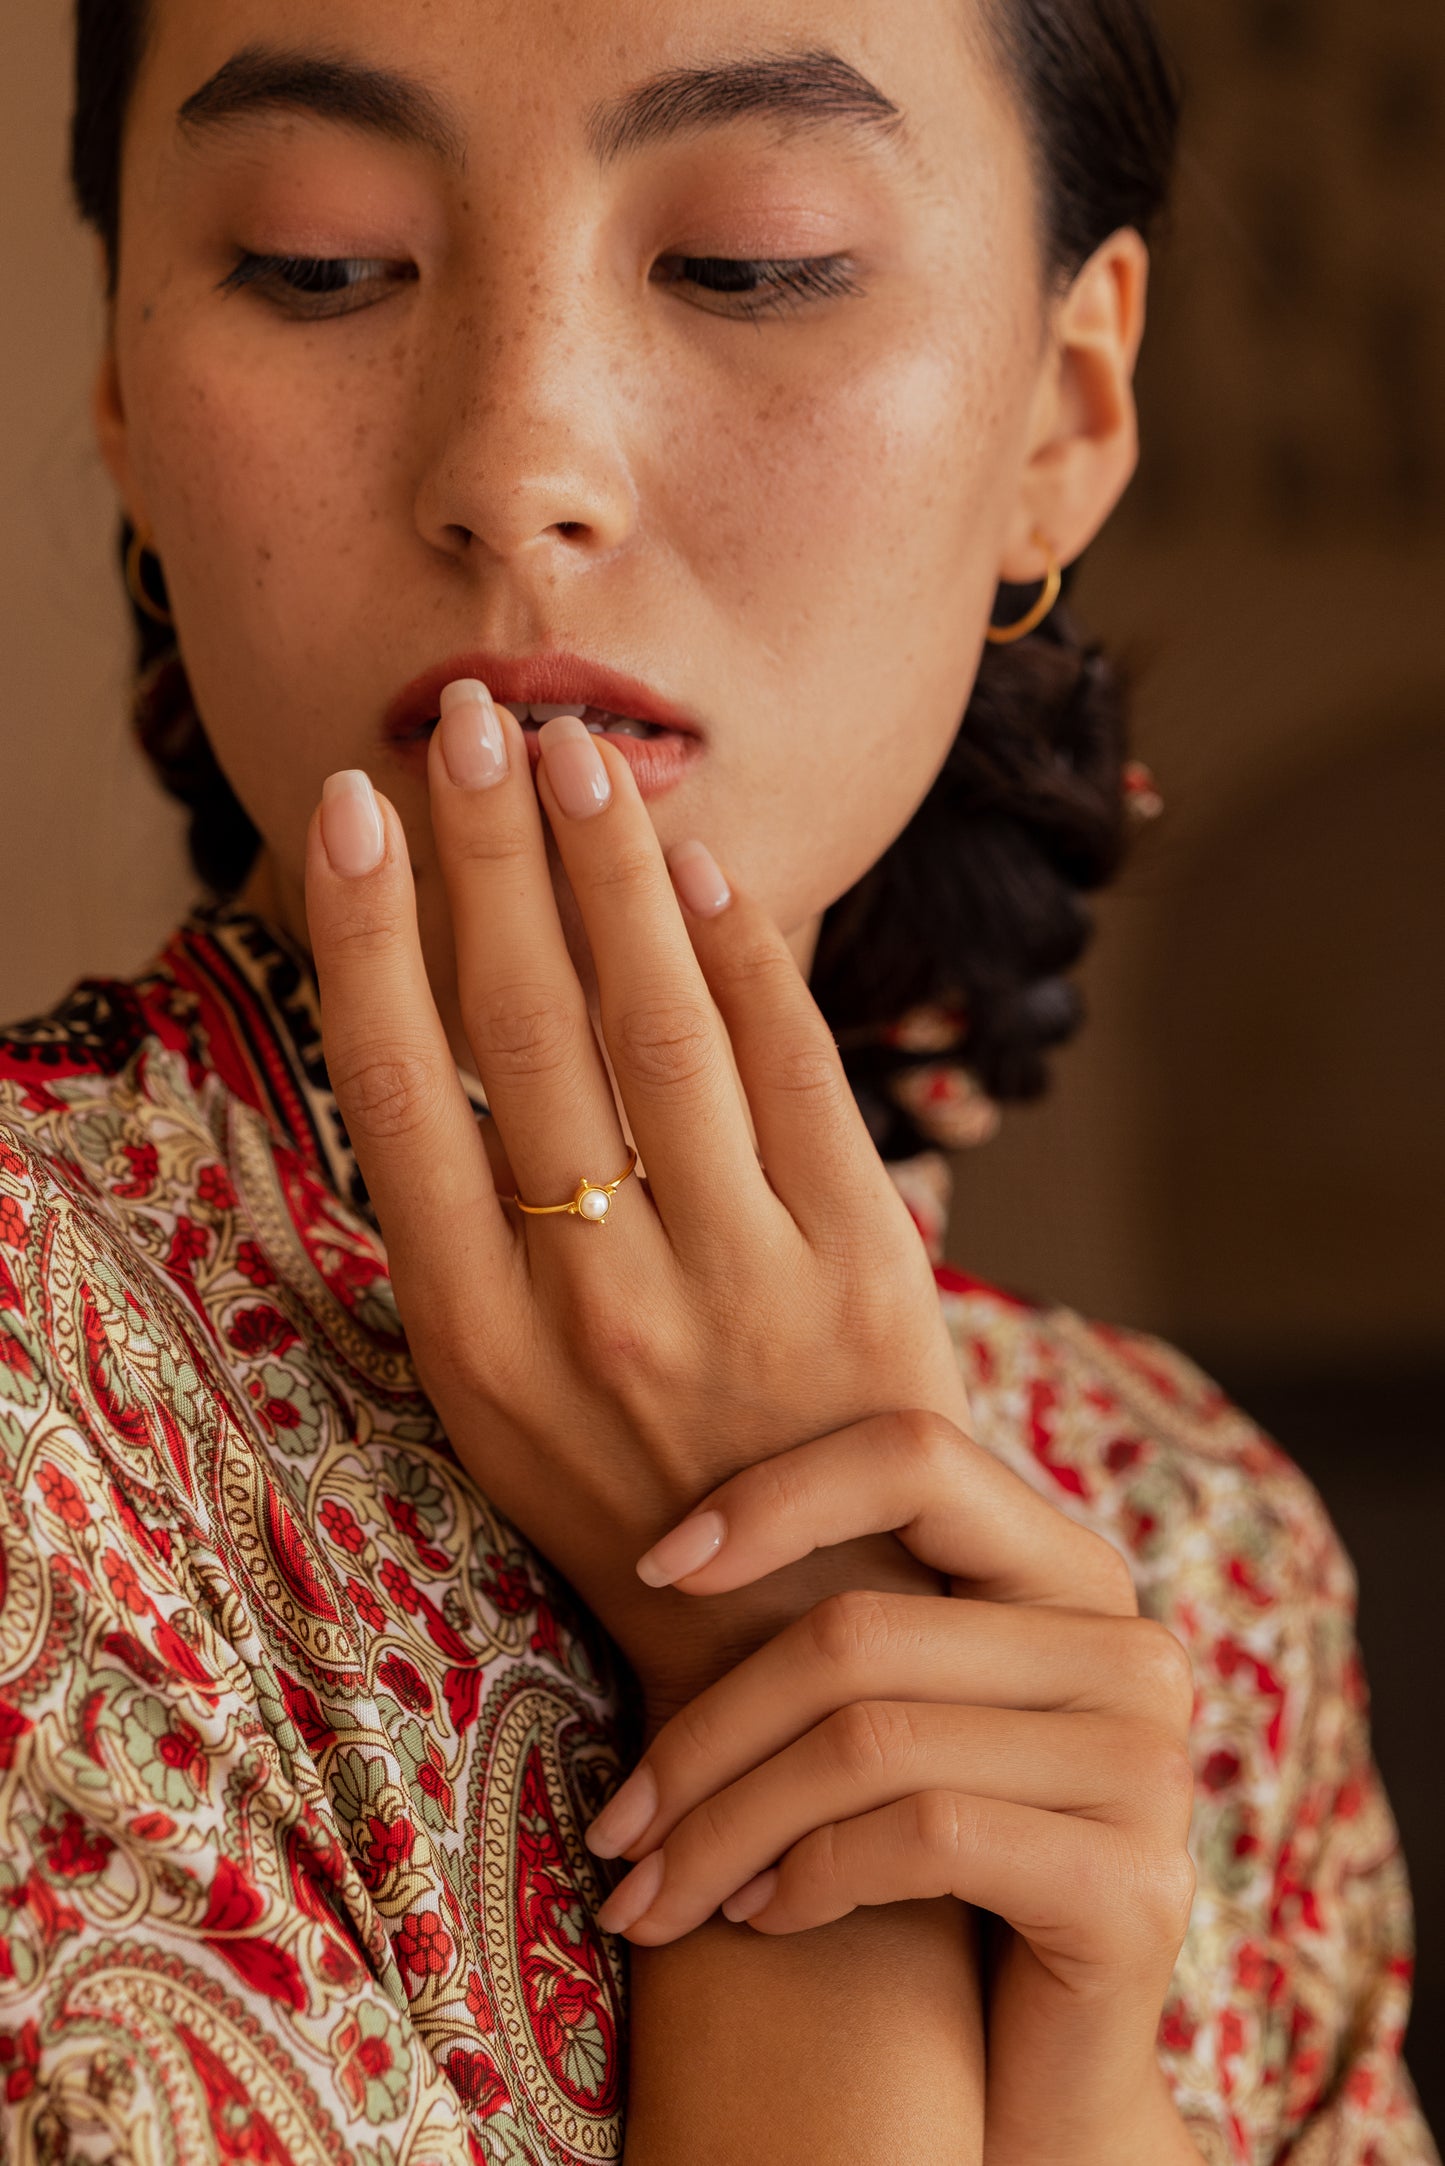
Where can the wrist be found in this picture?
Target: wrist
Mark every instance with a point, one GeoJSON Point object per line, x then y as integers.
{"type": "Point", "coordinates": [1141, 2126]}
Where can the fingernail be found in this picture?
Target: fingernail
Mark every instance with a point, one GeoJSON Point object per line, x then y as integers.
{"type": "Point", "coordinates": [698, 880]}
{"type": "Point", "coordinates": [473, 746]}
{"type": "Point", "coordinates": [686, 1549]}
{"type": "Point", "coordinates": [351, 823]}
{"type": "Point", "coordinates": [631, 1808]}
{"type": "Point", "coordinates": [632, 1896]}
{"type": "Point", "coordinates": [574, 766]}
{"type": "Point", "coordinates": [751, 1899]}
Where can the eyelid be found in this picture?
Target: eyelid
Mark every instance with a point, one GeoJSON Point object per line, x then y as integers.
{"type": "Point", "coordinates": [255, 267]}
{"type": "Point", "coordinates": [782, 284]}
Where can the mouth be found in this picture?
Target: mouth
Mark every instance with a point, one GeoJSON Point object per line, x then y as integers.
{"type": "Point", "coordinates": [657, 739]}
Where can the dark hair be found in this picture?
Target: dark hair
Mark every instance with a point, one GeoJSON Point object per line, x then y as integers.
{"type": "Point", "coordinates": [977, 908]}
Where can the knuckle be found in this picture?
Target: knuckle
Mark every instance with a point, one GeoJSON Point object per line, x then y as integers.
{"type": "Point", "coordinates": [1167, 1895]}
{"type": "Point", "coordinates": [386, 1095]}
{"type": "Point", "coordinates": [693, 1740]}
{"type": "Point", "coordinates": [1171, 1779]}
{"type": "Point", "coordinates": [941, 1826]}
{"type": "Point", "coordinates": [1105, 1583]}
{"type": "Point", "coordinates": [627, 868]}
{"type": "Point", "coordinates": [929, 1444]}
{"type": "Point", "coordinates": [865, 1302]}
{"type": "Point", "coordinates": [666, 1043]}
{"type": "Point", "coordinates": [493, 840]}
{"type": "Point", "coordinates": [803, 1071]}
{"type": "Point", "coordinates": [756, 966]}
{"type": "Point", "coordinates": [525, 1033]}
{"type": "Point", "coordinates": [850, 1630]}
{"type": "Point", "coordinates": [368, 930]}
{"type": "Point", "coordinates": [709, 1830]}
{"type": "Point", "coordinates": [1162, 1664]}
{"type": "Point", "coordinates": [866, 1738]}
{"type": "Point", "coordinates": [626, 1352]}
{"type": "Point", "coordinates": [814, 1866]}
{"type": "Point", "coordinates": [781, 1487]}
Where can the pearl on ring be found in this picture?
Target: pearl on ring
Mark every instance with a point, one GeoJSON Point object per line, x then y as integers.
{"type": "Point", "coordinates": [590, 1200]}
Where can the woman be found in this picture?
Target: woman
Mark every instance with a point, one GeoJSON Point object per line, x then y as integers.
{"type": "Point", "coordinates": [385, 1482]}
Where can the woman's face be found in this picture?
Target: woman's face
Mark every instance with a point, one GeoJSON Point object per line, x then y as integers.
{"type": "Point", "coordinates": [528, 415]}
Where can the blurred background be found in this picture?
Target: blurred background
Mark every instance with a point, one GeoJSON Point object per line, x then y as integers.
{"type": "Point", "coordinates": [1244, 1150]}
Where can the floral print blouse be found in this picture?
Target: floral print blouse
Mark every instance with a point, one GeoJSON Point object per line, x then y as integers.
{"type": "Point", "coordinates": [298, 1736]}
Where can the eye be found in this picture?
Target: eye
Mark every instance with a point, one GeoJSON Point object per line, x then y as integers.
{"type": "Point", "coordinates": [315, 286]}
{"type": "Point", "coordinates": [761, 286]}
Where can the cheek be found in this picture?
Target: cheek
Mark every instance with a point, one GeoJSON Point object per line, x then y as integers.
{"type": "Point", "coordinates": [871, 463]}
{"type": "Point", "coordinates": [850, 522]}
{"type": "Point", "coordinates": [263, 483]}
{"type": "Point", "coordinates": [268, 491]}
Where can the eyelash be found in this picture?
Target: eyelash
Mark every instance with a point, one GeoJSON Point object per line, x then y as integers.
{"type": "Point", "coordinates": [791, 282]}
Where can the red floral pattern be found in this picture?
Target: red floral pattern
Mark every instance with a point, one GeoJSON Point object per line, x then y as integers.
{"type": "Point", "coordinates": [297, 1736]}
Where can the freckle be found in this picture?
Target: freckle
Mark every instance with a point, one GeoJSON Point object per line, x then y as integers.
{"type": "Point", "coordinates": [147, 312]}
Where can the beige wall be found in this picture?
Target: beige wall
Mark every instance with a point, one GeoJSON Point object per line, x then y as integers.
{"type": "Point", "coordinates": [91, 870]}
{"type": "Point", "coordinates": [1239, 1149]}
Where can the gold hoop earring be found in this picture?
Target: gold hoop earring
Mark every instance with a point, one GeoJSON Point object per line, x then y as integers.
{"type": "Point", "coordinates": [1004, 635]}
{"type": "Point", "coordinates": [135, 581]}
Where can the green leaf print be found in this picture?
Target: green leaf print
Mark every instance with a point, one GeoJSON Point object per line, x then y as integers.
{"type": "Point", "coordinates": [585, 2061]}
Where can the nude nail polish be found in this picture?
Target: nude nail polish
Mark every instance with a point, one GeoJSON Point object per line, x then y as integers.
{"type": "Point", "coordinates": [631, 1808]}
{"type": "Point", "coordinates": [351, 825]}
{"type": "Point", "coordinates": [634, 1896]}
{"type": "Point", "coordinates": [474, 748]}
{"type": "Point", "coordinates": [698, 879]}
{"type": "Point", "coordinates": [754, 1896]}
{"type": "Point", "coordinates": [574, 766]}
{"type": "Point", "coordinates": [691, 1545]}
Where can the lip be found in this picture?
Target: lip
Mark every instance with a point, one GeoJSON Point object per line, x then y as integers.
{"type": "Point", "coordinates": [552, 679]}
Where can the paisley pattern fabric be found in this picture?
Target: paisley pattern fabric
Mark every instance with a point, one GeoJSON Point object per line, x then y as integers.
{"type": "Point", "coordinates": [298, 1736]}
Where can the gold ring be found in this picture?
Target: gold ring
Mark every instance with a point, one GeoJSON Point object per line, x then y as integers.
{"type": "Point", "coordinates": [591, 1200]}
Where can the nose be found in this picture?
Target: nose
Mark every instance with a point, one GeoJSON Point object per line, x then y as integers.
{"type": "Point", "coordinates": [527, 460]}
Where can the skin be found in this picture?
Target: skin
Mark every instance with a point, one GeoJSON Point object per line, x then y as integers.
{"type": "Point", "coordinates": [794, 527]}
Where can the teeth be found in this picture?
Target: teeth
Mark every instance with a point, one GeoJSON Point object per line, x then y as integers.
{"type": "Point", "coordinates": [615, 725]}
{"type": "Point", "coordinates": [536, 711]}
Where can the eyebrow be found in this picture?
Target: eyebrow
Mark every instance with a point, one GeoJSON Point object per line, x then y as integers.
{"type": "Point", "coordinates": [811, 88]}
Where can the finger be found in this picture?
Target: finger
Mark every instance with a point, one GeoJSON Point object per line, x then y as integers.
{"type": "Point", "coordinates": [875, 1752]}
{"type": "Point", "coordinates": [504, 1178]}
{"type": "Point", "coordinates": [1084, 1898]}
{"type": "Point", "coordinates": [522, 1003]}
{"type": "Point", "coordinates": [813, 1139]}
{"type": "Point", "coordinates": [861, 1645]}
{"type": "Point", "coordinates": [667, 1045]}
{"type": "Point", "coordinates": [914, 1474]}
{"type": "Point", "coordinates": [387, 1057]}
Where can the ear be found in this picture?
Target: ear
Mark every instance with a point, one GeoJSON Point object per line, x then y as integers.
{"type": "Point", "coordinates": [107, 414]}
{"type": "Point", "coordinates": [1084, 442]}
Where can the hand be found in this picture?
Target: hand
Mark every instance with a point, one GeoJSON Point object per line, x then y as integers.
{"type": "Point", "coordinates": [595, 1379]}
{"type": "Point", "coordinates": [1022, 1748]}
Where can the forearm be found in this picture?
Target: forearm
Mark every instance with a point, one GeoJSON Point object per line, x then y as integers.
{"type": "Point", "coordinates": [857, 2041]}
{"type": "Point", "coordinates": [1081, 2087]}
{"type": "Point", "coordinates": [1147, 2132]}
